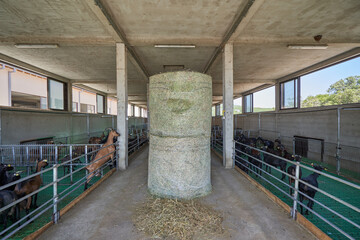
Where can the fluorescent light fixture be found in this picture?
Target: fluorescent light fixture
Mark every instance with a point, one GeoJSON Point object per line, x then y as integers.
{"type": "Point", "coordinates": [27, 45]}
{"type": "Point", "coordinates": [305, 46]}
{"type": "Point", "coordinates": [174, 46]}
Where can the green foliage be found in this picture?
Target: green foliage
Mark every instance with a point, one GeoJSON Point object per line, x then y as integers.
{"type": "Point", "coordinates": [343, 91]}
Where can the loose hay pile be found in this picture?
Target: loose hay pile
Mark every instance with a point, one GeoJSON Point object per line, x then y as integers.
{"type": "Point", "coordinates": [174, 219]}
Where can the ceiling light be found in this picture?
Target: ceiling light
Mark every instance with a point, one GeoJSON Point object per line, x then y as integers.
{"type": "Point", "coordinates": [314, 46]}
{"type": "Point", "coordinates": [22, 45]}
{"type": "Point", "coordinates": [174, 46]}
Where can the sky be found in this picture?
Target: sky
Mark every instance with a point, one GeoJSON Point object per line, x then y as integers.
{"type": "Point", "coordinates": [311, 84]}
{"type": "Point", "coordinates": [318, 82]}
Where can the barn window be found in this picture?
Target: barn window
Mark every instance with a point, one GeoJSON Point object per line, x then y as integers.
{"type": "Point", "coordinates": [334, 85]}
{"type": "Point", "coordinates": [221, 108]}
{"type": "Point", "coordinates": [213, 112]}
{"type": "Point", "coordinates": [264, 100]}
{"type": "Point", "coordinates": [112, 106]}
{"type": "Point", "coordinates": [248, 103]}
{"type": "Point", "coordinates": [56, 95]}
{"type": "Point", "coordinates": [238, 105]}
{"type": "Point", "coordinates": [289, 91]}
{"type": "Point", "coordinates": [217, 110]}
{"type": "Point", "coordinates": [136, 111]}
{"type": "Point", "coordinates": [100, 103]}
{"type": "Point", "coordinates": [130, 110]}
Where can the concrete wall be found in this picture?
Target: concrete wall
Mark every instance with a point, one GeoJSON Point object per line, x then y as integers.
{"type": "Point", "coordinates": [19, 125]}
{"type": "Point", "coordinates": [314, 123]}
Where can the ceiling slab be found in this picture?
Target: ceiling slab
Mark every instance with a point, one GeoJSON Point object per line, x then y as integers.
{"type": "Point", "coordinates": [42, 18]}
{"type": "Point", "coordinates": [193, 59]}
{"type": "Point", "coordinates": [301, 20]}
{"type": "Point", "coordinates": [163, 20]}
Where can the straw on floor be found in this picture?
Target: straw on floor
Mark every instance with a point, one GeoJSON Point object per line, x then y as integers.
{"type": "Point", "coordinates": [175, 219]}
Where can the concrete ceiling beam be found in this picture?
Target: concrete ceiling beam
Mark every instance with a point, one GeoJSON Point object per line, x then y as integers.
{"type": "Point", "coordinates": [238, 19]}
{"type": "Point", "coordinates": [29, 67]}
{"type": "Point", "coordinates": [120, 33]}
{"type": "Point", "coordinates": [62, 41]}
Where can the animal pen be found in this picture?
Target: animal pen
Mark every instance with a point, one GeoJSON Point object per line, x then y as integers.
{"type": "Point", "coordinates": [336, 210]}
{"type": "Point", "coordinates": [63, 179]}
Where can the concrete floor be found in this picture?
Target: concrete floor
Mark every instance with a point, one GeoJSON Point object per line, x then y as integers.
{"type": "Point", "coordinates": [106, 213]}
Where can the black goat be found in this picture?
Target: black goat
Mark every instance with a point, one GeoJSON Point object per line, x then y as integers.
{"type": "Point", "coordinates": [292, 171]}
{"type": "Point", "coordinates": [12, 177]}
{"type": "Point", "coordinates": [307, 191]}
{"type": "Point", "coordinates": [242, 163]}
{"type": "Point", "coordinates": [274, 161]}
{"type": "Point", "coordinates": [4, 168]}
{"type": "Point", "coordinates": [7, 197]}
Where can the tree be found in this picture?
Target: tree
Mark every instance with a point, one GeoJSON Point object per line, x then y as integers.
{"type": "Point", "coordinates": [341, 92]}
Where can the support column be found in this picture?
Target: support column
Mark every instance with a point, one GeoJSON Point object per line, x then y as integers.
{"type": "Point", "coordinates": [277, 97]}
{"type": "Point", "coordinates": [122, 102]}
{"type": "Point", "coordinates": [148, 112]}
{"type": "Point", "coordinates": [228, 118]}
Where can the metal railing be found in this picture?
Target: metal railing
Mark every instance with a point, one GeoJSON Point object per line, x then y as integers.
{"type": "Point", "coordinates": [251, 164]}
{"type": "Point", "coordinates": [57, 197]}
{"type": "Point", "coordinates": [56, 186]}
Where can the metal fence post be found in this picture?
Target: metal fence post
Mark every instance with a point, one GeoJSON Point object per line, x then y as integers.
{"type": "Point", "coordinates": [233, 164]}
{"type": "Point", "coordinates": [55, 194]}
{"type": "Point", "coordinates": [294, 141]}
{"type": "Point", "coordinates": [86, 159]}
{"type": "Point", "coordinates": [71, 157]}
{"type": "Point", "coordinates": [56, 155]}
{"type": "Point", "coordinates": [138, 142]}
{"type": "Point", "coordinates": [297, 171]}
{"type": "Point", "coordinates": [41, 153]}
{"type": "Point", "coordinates": [117, 148]}
{"type": "Point", "coordinates": [27, 161]}
{"type": "Point", "coordinates": [14, 157]}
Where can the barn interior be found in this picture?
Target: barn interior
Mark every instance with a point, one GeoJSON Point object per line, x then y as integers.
{"type": "Point", "coordinates": [110, 49]}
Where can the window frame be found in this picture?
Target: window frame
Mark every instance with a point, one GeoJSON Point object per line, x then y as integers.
{"type": "Point", "coordinates": [65, 95]}
{"type": "Point", "coordinates": [97, 103]}
{"type": "Point", "coordinates": [297, 96]}
{"type": "Point", "coordinates": [251, 103]}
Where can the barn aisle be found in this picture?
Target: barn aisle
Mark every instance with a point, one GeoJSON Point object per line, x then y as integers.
{"type": "Point", "coordinates": [106, 212]}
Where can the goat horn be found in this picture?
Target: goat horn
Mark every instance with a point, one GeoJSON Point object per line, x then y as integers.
{"type": "Point", "coordinates": [108, 129]}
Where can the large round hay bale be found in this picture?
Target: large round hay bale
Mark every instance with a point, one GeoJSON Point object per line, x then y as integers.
{"type": "Point", "coordinates": [180, 128]}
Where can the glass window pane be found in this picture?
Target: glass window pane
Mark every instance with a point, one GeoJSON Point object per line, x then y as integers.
{"type": "Point", "coordinates": [100, 103]}
{"type": "Point", "coordinates": [288, 95]}
{"type": "Point", "coordinates": [221, 110]}
{"type": "Point", "coordinates": [129, 110]}
{"type": "Point", "coordinates": [213, 112]}
{"type": "Point", "coordinates": [238, 105]}
{"type": "Point", "coordinates": [335, 85]}
{"type": "Point", "coordinates": [248, 103]}
{"type": "Point", "coordinates": [56, 94]}
{"type": "Point", "coordinates": [264, 100]}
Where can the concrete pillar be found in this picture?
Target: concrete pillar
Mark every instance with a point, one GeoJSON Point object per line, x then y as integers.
{"type": "Point", "coordinates": [122, 101]}
{"type": "Point", "coordinates": [69, 97]}
{"type": "Point", "coordinates": [228, 90]}
{"type": "Point", "coordinates": [277, 97]}
{"type": "Point", "coordinates": [148, 112]}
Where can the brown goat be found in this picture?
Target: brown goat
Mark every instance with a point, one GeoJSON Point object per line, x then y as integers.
{"type": "Point", "coordinates": [31, 185]}
{"type": "Point", "coordinates": [100, 158]}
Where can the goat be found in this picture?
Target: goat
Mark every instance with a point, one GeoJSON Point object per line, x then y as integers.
{"type": "Point", "coordinates": [3, 170]}
{"type": "Point", "coordinates": [240, 162]}
{"type": "Point", "coordinates": [274, 161]}
{"type": "Point", "coordinates": [306, 192]}
{"type": "Point", "coordinates": [102, 156]}
{"type": "Point", "coordinates": [12, 177]}
{"type": "Point", "coordinates": [292, 171]}
{"type": "Point", "coordinates": [26, 187]}
{"type": "Point", "coordinates": [7, 197]}
{"type": "Point", "coordinates": [255, 161]}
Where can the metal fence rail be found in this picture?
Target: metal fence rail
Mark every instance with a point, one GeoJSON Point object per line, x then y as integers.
{"type": "Point", "coordinates": [332, 208]}
{"type": "Point", "coordinates": [63, 177]}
